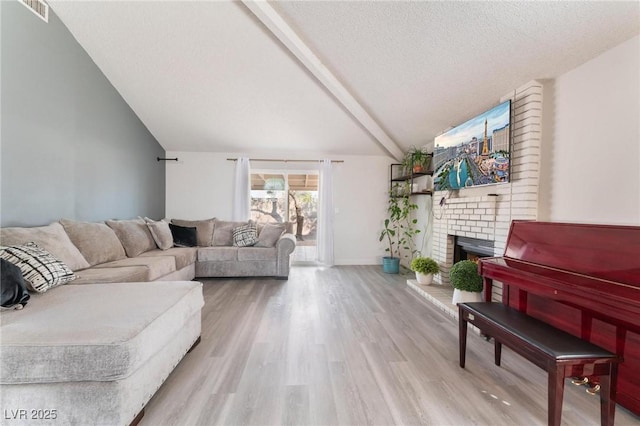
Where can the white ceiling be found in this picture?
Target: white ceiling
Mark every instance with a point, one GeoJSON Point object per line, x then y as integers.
{"type": "Point", "coordinates": [209, 76]}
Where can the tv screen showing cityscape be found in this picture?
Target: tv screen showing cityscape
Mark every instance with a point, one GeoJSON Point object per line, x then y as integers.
{"type": "Point", "coordinates": [474, 153]}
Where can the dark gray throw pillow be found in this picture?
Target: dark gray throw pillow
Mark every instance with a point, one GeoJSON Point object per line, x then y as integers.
{"type": "Point", "coordinates": [184, 236]}
{"type": "Point", "coordinates": [14, 290]}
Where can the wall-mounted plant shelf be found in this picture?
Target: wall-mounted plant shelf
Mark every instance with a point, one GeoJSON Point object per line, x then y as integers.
{"type": "Point", "coordinates": [398, 176]}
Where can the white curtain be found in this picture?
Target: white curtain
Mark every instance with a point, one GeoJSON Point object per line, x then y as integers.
{"type": "Point", "coordinates": [325, 215]}
{"type": "Point", "coordinates": [241, 191]}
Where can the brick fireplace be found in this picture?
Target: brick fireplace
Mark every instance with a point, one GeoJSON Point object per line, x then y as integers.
{"type": "Point", "coordinates": [485, 213]}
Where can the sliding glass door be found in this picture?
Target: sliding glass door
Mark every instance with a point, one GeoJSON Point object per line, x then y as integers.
{"type": "Point", "coordinates": [288, 197]}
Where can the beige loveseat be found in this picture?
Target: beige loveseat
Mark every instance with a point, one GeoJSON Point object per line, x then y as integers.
{"type": "Point", "coordinates": [95, 350]}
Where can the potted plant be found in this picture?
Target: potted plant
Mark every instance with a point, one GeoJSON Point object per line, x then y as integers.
{"type": "Point", "coordinates": [424, 267]}
{"type": "Point", "coordinates": [398, 229]}
{"type": "Point", "coordinates": [417, 159]}
{"type": "Point", "coordinates": [466, 281]}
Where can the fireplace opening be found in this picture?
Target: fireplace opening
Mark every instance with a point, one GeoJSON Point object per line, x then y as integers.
{"type": "Point", "coordinates": [471, 249]}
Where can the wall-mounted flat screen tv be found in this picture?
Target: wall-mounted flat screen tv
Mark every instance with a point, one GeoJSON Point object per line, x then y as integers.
{"type": "Point", "coordinates": [474, 153]}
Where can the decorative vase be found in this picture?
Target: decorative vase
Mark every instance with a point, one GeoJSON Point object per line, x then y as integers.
{"type": "Point", "coordinates": [424, 279]}
{"type": "Point", "coordinates": [391, 265]}
{"type": "Point", "coordinates": [460, 296]}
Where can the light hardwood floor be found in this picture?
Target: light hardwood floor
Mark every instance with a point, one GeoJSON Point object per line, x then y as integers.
{"type": "Point", "coordinates": [349, 346]}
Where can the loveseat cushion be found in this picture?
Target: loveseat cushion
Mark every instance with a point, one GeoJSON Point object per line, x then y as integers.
{"type": "Point", "coordinates": [257, 253]}
{"type": "Point", "coordinates": [99, 332]}
{"type": "Point", "coordinates": [223, 232]}
{"type": "Point", "coordinates": [52, 238]}
{"type": "Point", "coordinates": [270, 234]}
{"type": "Point", "coordinates": [122, 274]}
{"type": "Point", "coordinates": [159, 266]}
{"type": "Point", "coordinates": [184, 256]}
{"type": "Point", "coordinates": [206, 254]}
{"type": "Point", "coordinates": [204, 229]}
{"type": "Point", "coordinates": [134, 235]}
{"type": "Point", "coordinates": [96, 241]}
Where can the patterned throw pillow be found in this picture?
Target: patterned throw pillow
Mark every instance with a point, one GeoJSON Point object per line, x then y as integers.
{"type": "Point", "coordinates": [40, 270]}
{"type": "Point", "coordinates": [245, 235]}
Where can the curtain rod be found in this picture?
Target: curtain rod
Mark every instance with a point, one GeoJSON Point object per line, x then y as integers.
{"type": "Point", "coordinates": [285, 161]}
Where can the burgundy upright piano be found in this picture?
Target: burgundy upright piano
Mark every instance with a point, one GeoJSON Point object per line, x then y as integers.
{"type": "Point", "coordinates": [583, 279]}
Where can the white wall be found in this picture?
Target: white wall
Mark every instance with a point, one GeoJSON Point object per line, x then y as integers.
{"type": "Point", "coordinates": [591, 141]}
{"type": "Point", "coordinates": [200, 185]}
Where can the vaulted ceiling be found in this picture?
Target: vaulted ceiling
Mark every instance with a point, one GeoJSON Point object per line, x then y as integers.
{"type": "Point", "coordinates": [335, 77]}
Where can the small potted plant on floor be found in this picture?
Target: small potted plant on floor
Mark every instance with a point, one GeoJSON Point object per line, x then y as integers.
{"type": "Point", "coordinates": [424, 267]}
{"type": "Point", "coordinates": [466, 281]}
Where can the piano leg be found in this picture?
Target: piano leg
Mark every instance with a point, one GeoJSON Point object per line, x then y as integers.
{"type": "Point", "coordinates": [556, 393]}
{"type": "Point", "coordinates": [462, 338]}
{"type": "Point", "coordinates": [497, 351]}
{"type": "Point", "coordinates": [608, 396]}
{"type": "Point", "coordinates": [488, 288]}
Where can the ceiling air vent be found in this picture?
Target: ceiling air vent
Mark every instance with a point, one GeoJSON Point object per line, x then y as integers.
{"type": "Point", "coordinates": [38, 7]}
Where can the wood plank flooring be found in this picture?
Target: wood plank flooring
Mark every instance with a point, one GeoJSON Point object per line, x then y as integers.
{"type": "Point", "coordinates": [348, 346]}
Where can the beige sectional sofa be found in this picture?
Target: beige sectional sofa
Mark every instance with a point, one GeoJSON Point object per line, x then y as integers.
{"type": "Point", "coordinates": [95, 350]}
{"type": "Point", "coordinates": [215, 255]}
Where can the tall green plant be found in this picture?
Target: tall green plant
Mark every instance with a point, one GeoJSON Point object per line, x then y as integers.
{"type": "Point", "coordinates": [399, 228]}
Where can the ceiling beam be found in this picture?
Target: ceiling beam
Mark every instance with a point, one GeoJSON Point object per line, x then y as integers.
{"type": "Point", "coordinates": [274, 22]}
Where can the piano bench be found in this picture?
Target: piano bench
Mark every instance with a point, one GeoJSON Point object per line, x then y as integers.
{"type": "Point", "coordinates": [559, 353]}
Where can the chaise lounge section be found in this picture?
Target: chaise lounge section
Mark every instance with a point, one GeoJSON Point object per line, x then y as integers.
{"type": "Point", "coordinates": [95, 354]}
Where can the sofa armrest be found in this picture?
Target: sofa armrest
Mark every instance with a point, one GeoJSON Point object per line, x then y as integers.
{"type": "Point", "coordinates": [285, 245]}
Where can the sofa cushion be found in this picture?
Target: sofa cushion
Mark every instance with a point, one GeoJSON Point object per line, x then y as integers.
{"type": "Point", "coordinates": [40, 270]}
{"type": "Point", "coordinates": [204, 229]}
{"type": "Point", "coordinates": [161, 233]}
{"type": "Point", "coordinates": [223, 232]}
{"type": "Point", "coordinates": [99, 332]}
{"type": "Point", "coordinates": [270, 234]}
{"type": "Point", "coordinates": [257, 253]}
{"type": "Point", "coordinates": [122, 274]}
{"type": "Point", "coordinates": [134, 235]}
{"type": "Point", "coordinates": [206, 254]}
{"type": "Point", "coordinates": [96, 241]}
{"type": "Point", "coordinates": [158, 265]}
{"type": "Point", "coordinates": [184, 256]}
{"type": "Point", "coordinates": [245, 235]}
{"type": "Point", "coordinates": [184, 236]}
{"type": "Point", "coordinates": [52, 238]}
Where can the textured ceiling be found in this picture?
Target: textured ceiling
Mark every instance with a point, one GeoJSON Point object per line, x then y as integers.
{"type": "Point", "coordinates": [209, 76]}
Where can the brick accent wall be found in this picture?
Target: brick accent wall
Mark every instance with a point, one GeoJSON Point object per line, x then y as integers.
{"type": "Point", "coordinates": [486, 212]}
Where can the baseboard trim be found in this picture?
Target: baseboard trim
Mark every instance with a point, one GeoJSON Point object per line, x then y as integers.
{"type": "Point", "coordinates": [355, 262]}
